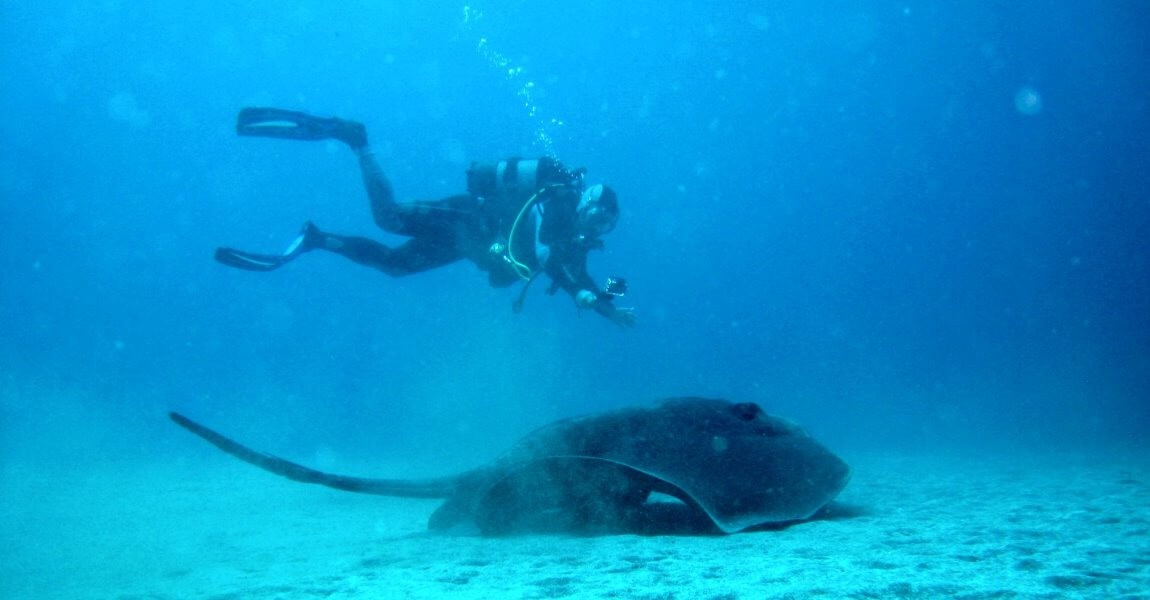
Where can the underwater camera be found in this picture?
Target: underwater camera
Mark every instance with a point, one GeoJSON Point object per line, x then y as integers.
{"type": "Point", "coordinates": [616, 286]}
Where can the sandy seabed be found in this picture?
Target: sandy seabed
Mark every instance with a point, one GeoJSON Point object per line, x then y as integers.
{"type": "Point", "coordinates": [1033, 526]}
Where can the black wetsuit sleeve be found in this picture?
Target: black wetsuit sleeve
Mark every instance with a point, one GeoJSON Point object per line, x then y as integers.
{"type": "Point", "coordinates": [568, 270]}
{"type": "Point", "coordinates": [567, 265]}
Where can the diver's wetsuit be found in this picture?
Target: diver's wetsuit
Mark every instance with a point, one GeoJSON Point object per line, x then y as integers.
{"type": "Point", "coordinates": [439, 230]}
{"type": "Point", "coordinates": [476, 228]}
{"type": "Point", "coordinates": [518, 219]}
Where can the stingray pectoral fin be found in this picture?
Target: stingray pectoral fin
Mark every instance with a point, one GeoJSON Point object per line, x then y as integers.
{"type": "Point", "coordinates": [426, 488]}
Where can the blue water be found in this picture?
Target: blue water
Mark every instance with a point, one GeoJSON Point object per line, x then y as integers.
{"type": "Point", "coordinates": [906, 225]}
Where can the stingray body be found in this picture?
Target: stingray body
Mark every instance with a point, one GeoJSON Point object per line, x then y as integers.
{"type": "Point", "coordinates": [718, 466]}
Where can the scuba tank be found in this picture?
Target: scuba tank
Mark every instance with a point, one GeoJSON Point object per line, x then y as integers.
{"type": "Point", "coordinates": [506, 190]}
{"type": "Point", "coordinates": [512, 182]}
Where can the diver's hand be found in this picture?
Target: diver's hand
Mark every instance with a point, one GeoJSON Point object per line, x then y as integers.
{"type": "Point", "coordinates": [586, 299]}
{"type": "Point", "coordinates": [623, 317]}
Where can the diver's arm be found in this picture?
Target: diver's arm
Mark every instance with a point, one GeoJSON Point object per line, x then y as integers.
{"type": "Point", "coordinates": [582, 289]}
{"type": "Point", "coordinates": [602, 304]}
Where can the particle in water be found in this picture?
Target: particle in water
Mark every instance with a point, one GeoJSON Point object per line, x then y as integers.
{"type": "Point", "coordinates": [1027, 101]}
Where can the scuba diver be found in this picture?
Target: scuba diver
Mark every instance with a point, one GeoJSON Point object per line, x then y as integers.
{"type": "Point", "coordinates": [519, 218]}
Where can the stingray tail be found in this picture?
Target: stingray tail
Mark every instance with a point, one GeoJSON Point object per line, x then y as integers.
{"type": "Point", "coordinates": [407, 488]}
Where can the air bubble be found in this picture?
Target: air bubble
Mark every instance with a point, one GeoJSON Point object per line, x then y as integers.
{"type": "Point", "coordinates": [514, 73]}
{"type": "Point", "coordinates": [1027, 101]}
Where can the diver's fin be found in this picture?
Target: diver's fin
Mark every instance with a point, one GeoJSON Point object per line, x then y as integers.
{"type": "Point", "coordinates": [309, 237]}
{"type": "Point", "coordinates": [280, 123]}
{"type": "Point", "coordinates": [295, 125]}
{"type": "Point", "coordinates": [416, 488]}
{"type": "Point", "coordinates": [249, 261]}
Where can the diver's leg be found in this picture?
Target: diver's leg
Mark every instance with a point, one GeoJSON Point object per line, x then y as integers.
{"type": "Point", "coordinates": [413, 256]}
{"type": "Point", "coordinates": [384, 209]}
{"type": "Point", "coordinates": [412, 219]}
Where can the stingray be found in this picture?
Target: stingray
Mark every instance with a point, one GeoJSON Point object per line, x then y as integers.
{"type": "Point", "coordinates": [682, 465]}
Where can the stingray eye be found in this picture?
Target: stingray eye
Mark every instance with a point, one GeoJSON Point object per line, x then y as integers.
{"type": "Point", "coordinates": [747, 411]}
